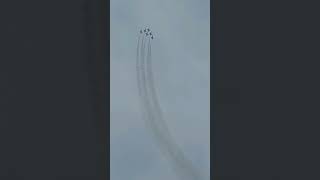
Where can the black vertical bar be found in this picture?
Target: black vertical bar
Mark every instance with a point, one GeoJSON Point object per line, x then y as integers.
{"type": "Point", "coordinates": [98, 53]}
{"type": "Point", "coordinates": [212, 145]}
{"type": "Point", "coordinates": [103, 89]}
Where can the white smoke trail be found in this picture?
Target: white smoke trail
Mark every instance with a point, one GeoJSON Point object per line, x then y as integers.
{"type": "Point", "coordinates": [147, 115]}
{"type": "Point", "coordinates": [176, 153]}
{"type": "Point", "coordinates": [141, 79]}
{"type": "Point", "coordinates": [154, 118]}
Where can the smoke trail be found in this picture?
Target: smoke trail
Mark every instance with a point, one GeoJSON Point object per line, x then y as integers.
{"type": "Point", "coordinates": [173, 149]}
{"type": "Point", "coordinates": [139, 74]}
{"type": "Point", "coordinates": [143, 89]}
{"type": "Point", "coordinates": [147, 112]}
{"type": "Point", "coordinates": [154, 118]}
{"type": "Point", "coordinates": [141, 81]}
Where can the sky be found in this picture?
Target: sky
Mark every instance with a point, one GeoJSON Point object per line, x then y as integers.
{"type": "Point", "coordinates": [181, 64]}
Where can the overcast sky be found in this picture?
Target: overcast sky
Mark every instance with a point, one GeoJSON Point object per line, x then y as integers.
{"type": "Point", "coordinates": [181, 56]}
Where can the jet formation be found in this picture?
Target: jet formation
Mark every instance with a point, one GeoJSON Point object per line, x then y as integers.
{"type": "Point", "coordinates": [147, 32]}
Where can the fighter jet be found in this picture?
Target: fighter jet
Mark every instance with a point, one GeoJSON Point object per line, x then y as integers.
{"type": "Point", "coordinates": [145, 30]}
{"type": "Point", "coordinates": [148, 29]}
{"type": "Point", "coordinates": [151, 37]}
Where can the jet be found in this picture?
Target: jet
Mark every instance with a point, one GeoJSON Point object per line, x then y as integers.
{"type": "Point", "coordinates": [144, 30]}
{"type": "Point", "coordinates": [148, 29]}
{"type": "Point", "coordinates": [151, 37]}
{"type": "Point", "coordinates": [140, 31]}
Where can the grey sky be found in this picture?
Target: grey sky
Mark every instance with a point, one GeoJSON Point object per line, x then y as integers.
{"type": "Point", "coordinates": [181, 56]}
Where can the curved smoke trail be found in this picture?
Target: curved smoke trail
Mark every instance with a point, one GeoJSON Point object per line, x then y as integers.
{"type": "Point", "coordinates": [154, 117]}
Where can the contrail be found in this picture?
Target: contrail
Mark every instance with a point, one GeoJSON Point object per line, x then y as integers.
{"type": "Point", "coordinates": [175, 153]}
{"type": "Point", "coordinates": [143, 89]}
{"type": "Point", "coordinates": [141, 79]}
{"type": "Point", "coordinates": [154, 117]}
